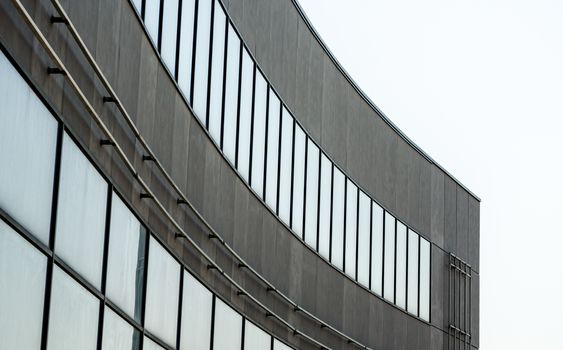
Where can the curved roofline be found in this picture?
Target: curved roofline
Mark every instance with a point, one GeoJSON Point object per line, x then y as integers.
{"type": "Point", "coordinates": [366, 98]}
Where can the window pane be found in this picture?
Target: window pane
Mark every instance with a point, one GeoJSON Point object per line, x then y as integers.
{"type": "Point", "coordinates": [138, 5]}
{"type": "Point", "coordinates": [201, 71]}
{"type": "Point", "coordinates": [126, 256]}
{"type": "Point", "coordinates": [227, 334]}
{"type": "Point", "coordinates": [22, 286]}
{"type": "Point", "coordinates": [298, 180]}
{"type": "Point", "coordinates": [351, 228]}
{"type": "Point", "coordinates": [255, 338]}
{"type": "Point", "coordinates": [312, 195]}
{"type": "Point", "coordinates": [152, 13]}
{"type": "Point", "coordinates": [186, 47]}
{"type": "Point", "coordinates": [424, 279]}
{"type": "Point", "coordinates": [285, 166]}
{"type": "Point", "coordinates": [259, 133]}
{"type": "Point", "coordinates": [217, 70]}
{"type": "Point", "coordinates": [28, 135]}
{"type": "Point", "coordinates": [151, 345]}
{"type": "Point", "coordinates": [278, 345]}
{"type": "Point", "coordinates": [245, 117]}
{"type": "Point", "coordinates": [376, 248]}
{"type": "Point", "coordinates": [272, 152]}
{"type": "Point", "coordinates": [118, 334]}
{"type": "Point", "coordinates": [401, 262]}
{"type": "Point", "coordinates": [231, 95]}
{"type": "Point", "coordinates": [169, 32]}
{"type": "Point", "coordinates": [81, 214]}
{"type": "Point", "coordinates": [325, 206]}
{"type": "Point", "coordinates": [389, 258]}
{"type": "Point", "coordinates": [364, 220]}
{"type": "Point", "coordinates": [73, 316]}
{"type": "Point", "coordinates": [197, 304]}
{"type": "Point", "coordinates": [163, 289]}
{"type": "Point", "coordinates": [412, 287]}
{"type": "Point", "coordinates": [339, 182]}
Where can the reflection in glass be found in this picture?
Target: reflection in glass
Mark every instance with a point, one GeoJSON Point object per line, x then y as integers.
{"type": "Point", "coordinates": [118, 334]}
{"type": "Point", "coordinates": [351, 228]}
{"type": "Point", "coordinates": [22, 286]}
{"type": "Point", "coordinates": [255, 338]}
{"type": "Point", "coordinates": [138, 5]}
{"type": "Point", "coordinates": [228, 327]}
{"type": "Point", "coordinates": [126, 255]}
{"type": "Point", "coordinates": [197, 304]}
{"type": "Point", "coordinates": [186, 47]}
{"type": "Point", "coordinates": [231, 95]}
{"type": "Point", "coordinates": [245, 114]}
{"type": "Point", "coordinates": [169, 32]}
{"type": "Point", "coordinates": [201, 70]}
{"type": "Point", "coordinates": [259, 133]}
{"type": "Point", "coordinates": [401, 266]}
{"type": "Point", "coordinates": [389, 258]}
{"type": "Point", "coordinates": [217, 68]}
{"type": "Point", "coordinates": [339, 183]}
{"type": "Point", "coordinates": [284, 204]}
{"type": "Point", "coordinates": [28, 135]}
{"type": "Point", "coordinates": [73, 315]}
{"type": "Point", "coordinates": [298, 180]}
{"type": "Point", "coordinates": [152, 14]}
{"type": "Point", "coordinates": [325, 206]}
{"type": "Point", "coordinates": [272, 152]}
{"type": "Point", "coordinates": [148, 344]}
{"type": "Point", "coordinates": [312, 195]}
{"type": "Point", "coordinates": [163, 289]}
{"type": "Point", "coordinates": [376, 248]}
{"type": "Point", "coordinates": [364, 220]}
{"type": "Point", "coordinates": [424, 311]}
{"type": "Point", "coordinates": [81, 214]}
{"type": "Point", "coordinates": [278, 345]}
{"type": "Point", "coordinates": [412, 283]}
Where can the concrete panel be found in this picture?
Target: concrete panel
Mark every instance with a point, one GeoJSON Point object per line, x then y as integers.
{"type": "Point", "coordinates": [437, 205]}
{"type": "Point", "coordinates": [462, 224]}
{"type": "Point", "coordinates": [439, 283]}
{"type": "Point", "coordinates": [404, 163]}
{"type": "Point", "coordinates": [450, 215]}
{"type": "Point", "coordinates": [474, 234]}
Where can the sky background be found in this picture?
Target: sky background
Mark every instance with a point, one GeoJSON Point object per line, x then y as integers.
{"type": "Point", "coordinates": [478, 84]}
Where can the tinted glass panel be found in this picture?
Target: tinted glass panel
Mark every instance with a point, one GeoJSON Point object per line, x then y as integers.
{"type": "Point", "coordinates": [364, 220]}
{"type": "Point", "coordinates": [278, 345]}
{"type": "Point", "coordinates": [169, 32]}
{"type": "Point", "coordinates": [81, 214]}
{"type": "Point", "coordinates": [255, 338]}
{"type": "Point", "coordinates": [163, 289]}
{"type": "Point", "coordinates": [259, 134]}
{"type": "Point", "coordinates": [339, 182]}
{"type": "Point", "coordinates": [126, 256]}
{"type": "Point", "coordinates": [151, 345]}
{"type": "Point", "coordinates": [245, 117]}
{"type": "Point", "coordinates": [351, 228]}
{"type": "Point", "coordinates": [186, 47]}
{"type": "Point", "coordinates": [312, 194]}
{"type": "Point", "coordinates": [389, 258]}
{"type": "Point", "coordinates": [285, 166]}
{"type": "Point", "coordinates": [73, 316]}
{"type": "Point", "coordinates": [376, 248]}
{"type": "Point", "coordinates": [138, 5]}
{"type": "Point", "coordinates": [228, 327]}
{"type": "Point", "coordinates": [118, 334]}
{"type": "Point", "coordinates": [401, 262]}
{"type": "Point", "coordinates": [298, 181]}
{"type": "Point", "coordinates": [152, 14]}
{"type": "Point", "coordinates": [201, 71]}
{"type": "Point", "coordinates": [412, 284]}
{"type": "Point", "coordinates": [197, 304]}
{"type": "Point", "coordinates": [424, 279]}
{"type": "Point", "coordinates": [22, 286]}
{"type": "Point", "coordinates": [217, 70]}
{"type": "Point", "coordinates": [272, 152]}
{"type": "Point", "coordinates": [325, 206]}
{"type": "Point", "coordinates": [28, 135]}
{"type": "Point", "coordinates": [231, 95]}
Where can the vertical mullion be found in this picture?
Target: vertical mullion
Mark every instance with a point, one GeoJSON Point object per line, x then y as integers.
{"type": "Point", "coordinates": [407, 239]}
{"type": "Point", "coordinates": [304, 188]}
{"type": "Point", "coordinates": [209, 65]}
{"type": "Point", "coordinates": [224, 88]}
{"type": "Point", "coordinates": [143, 5]}
{"type": "Point", "coordinates": [180, 302]}
{"type": "Point", "coordinates": [160, 19]}
{"type": "Point", "coordinates": [345, 224]}
{"type": "Point", "coordinates": [357, 229]}
{"type": "Point", "coordinates": [395, 266]}
{"type": "Point", "coordinates": [178, 34]}
{"type": "Point", "coordinates": [242, 335]}
{"type": "Point", "coordinates": [266, 142]}
{"type": "Point", "coordinates": [194, 48]}
{"type": "Point", "coordinates": [279, 161]}
{"type": "Point", "coordinates": [370, 240]}
{"type": "Point", "coordinates": [384, 235]}
{"type": "Point", "coordinates": [292, 174]}
{"type": "Point", "coordinates": [318, 218]}
{"type": "Point", "coordinates": [418, 278]}
{"type": "Point", "coordinates": [252, 112]}
{"type": "Point", "coordinates": [241, 48]}
{"type": "Point", "coordinates": [212, 322]}
{"type": "Point", "coordinates": [331, 209]}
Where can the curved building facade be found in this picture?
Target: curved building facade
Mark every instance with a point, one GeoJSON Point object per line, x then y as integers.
{"type": "Point", "coordinates": [203, 174]}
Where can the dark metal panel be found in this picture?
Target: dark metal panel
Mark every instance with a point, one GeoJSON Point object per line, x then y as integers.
{"type": "Point", "coordinates": [439, 282]}
{"type": "Point", "coordinates": [475, 302]}
{"type": "Point", "coordinates": [450, 215]}
{"type": "Point", "coordinates": [437, 218]}
{"type": "Point", "coordinates": [474, 234]}
{"type": "Point", "coordinates": [462, 223]}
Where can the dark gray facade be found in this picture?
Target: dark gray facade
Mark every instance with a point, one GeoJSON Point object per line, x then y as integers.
{"type": "Point", "coordinates": [333, 112]}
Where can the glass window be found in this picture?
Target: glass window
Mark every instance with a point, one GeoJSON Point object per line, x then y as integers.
{"type": "Point", "coordinates": [81, 214]}
{"type": "Point", "coordinates": [217, 69]}
{"type": "Point", "coordinates": [325, 206]}
{"type": "Point", "coordinates": [126, 256]}
{"type": "Point", "coordinates": [351, 228]}
{"type": "Point", "coordinates": [197, 304]}
{"type": "Point", "coordinates": [364, 220]}
{"type": "Point", "coordinates": [186, 47]}
{"type": "Point", "coordinates": [259, 133]}
{"type": "Point", "coordinates": [298, 180]}
{"type": "Point", "coordinates": [73, 316]}
{"type": "Point", "coordinates": [424, 311]}
{"type": "Point", "coordinates": [22, 287]}
{"type": "Point", "coordinates": [201, 71]}
{"type": "Point", "coordinates": [284, 205]}
{"type": "Point", "coordinates": [312, 194]}
{"type": "Point", "coordinates": [152, 14]}
{"type": "Point", "coordinates": [401, 266]}
{"type": "Point", "coordinates": [278, 345]}
{"type": "Point", "coordinates": [389, 258]}
{"type": "Point", "coordinates": [255, 338]}
{"type": "Point", "coordinates": [376, 248]}
{"type": "Point", "coordinates": [245, 114]}
{"type": "Point", "coordinates": [148, 344]}
{"type": "Point", "coordinates": [138, 5]}
{"type": "Point", "coordinates": [28, 135]}
{"type": "Point", "coordinates": [169, 32]}
{"type": "Point", "coordinates": [118, 334]}
{"type": "Point", "coordinates": [272, 151]}
{"type": "Point", "coordinates": [163, 289]}
{"type": "Point", "coordinates": [231, 95]}
{"type": "Point", "coordinates": [227, 333]}
{"type": "Point", "coordinates": [412, 273]}
{"type": "Point", "coordinates": [338, 193]}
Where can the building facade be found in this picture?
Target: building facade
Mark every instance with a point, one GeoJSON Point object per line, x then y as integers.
{"type": "Point", "coordinates": [203, 174]}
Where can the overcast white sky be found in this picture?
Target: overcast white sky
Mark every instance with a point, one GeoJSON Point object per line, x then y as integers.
{"type": "Point", "coordinates": [478, 84]}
